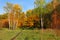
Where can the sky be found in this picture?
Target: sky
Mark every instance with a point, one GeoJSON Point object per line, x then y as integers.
{"type": "Point", "coordinates": [26, 4]}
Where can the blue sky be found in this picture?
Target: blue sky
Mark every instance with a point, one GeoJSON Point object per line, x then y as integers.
{"type": "Point", "coordinates": [26, 4]}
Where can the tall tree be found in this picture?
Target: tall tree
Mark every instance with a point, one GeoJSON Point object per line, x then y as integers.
{"type": "Point", "coordinates": [54, 5]}
{"type": "Point", "coordinates": [17, 10]}
{"type": "Point", "coordinates": [13, 10]}
{"type": "Point", "coordinates": [40, 4]}
{"type": "Point", "coordinates": [8, 9]}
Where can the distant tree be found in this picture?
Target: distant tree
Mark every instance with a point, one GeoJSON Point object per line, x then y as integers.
{"type": "Point", "coordinates": [32, 19]}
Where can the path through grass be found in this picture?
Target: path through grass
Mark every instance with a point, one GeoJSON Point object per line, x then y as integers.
{"type": "Point", "coordinates": [6, 34]}
{"type": "Point", "coordinates": [28, 35]}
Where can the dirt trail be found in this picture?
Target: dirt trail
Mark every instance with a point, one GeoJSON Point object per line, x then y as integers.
{"type": "Point", "coordinates": [16, 35]}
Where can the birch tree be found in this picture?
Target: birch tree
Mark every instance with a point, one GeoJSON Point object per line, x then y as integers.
{"type": "Point", "coordinates": [8, 9]}
{"type": "Point", "coordinates": [13, 10]}
{"type": "Point", "coordinates": [17, 10]}
{"type": "Point", "coordinates": [40, 4]}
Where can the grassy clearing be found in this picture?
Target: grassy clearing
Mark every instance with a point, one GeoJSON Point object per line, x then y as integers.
{"type": "Point", "coordinates": [6, 34]}
{"type": "Point", "coordinates": [38, 35]}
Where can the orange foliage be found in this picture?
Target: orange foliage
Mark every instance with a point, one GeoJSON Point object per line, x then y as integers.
{"type": "Point", "coordinates": [4, 23]}
{"type": "Point", "coordinates": [56, 20]}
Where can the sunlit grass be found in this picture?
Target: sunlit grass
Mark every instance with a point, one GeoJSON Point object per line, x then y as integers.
{"type": "Point", "coordinates": [47, 34]}
{"type": "Point", "coordinates": [37, 35]}
{"type": "Point", "coordinates": [6, 34]}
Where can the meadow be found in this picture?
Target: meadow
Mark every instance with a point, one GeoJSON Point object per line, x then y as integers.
{"type": "Point", "coordinates": [19, 22]}
{"type": "Point", "coordinates": [46, 34]}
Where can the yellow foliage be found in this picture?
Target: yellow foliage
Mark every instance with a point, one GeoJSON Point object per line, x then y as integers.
{"type": "Point", "coordinates": [17, 7]}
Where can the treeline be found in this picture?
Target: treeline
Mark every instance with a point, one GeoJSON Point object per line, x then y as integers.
{"type": "Point", "coordinates": [15, 18]}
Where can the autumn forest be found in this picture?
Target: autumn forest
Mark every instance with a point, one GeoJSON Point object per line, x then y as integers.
{"type": "Point", "coordinates": [44, 15]}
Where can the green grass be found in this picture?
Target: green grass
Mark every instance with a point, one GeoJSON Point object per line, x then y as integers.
{"type": "Point", "coordinates": [37, 35]}
{"type": "Point", "coordinates": [6, 34]}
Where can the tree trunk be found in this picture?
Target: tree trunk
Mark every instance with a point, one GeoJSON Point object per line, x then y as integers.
{"type": "Point", "coordinates": [9, 20]}
{"type": "Point", "coordinates": [14, 25]}
{"type": "Point", "coordinates": [41, 22]}
{"type": "Point", "coordinates": [55, 12]}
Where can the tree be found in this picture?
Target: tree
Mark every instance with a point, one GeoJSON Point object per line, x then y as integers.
{"type": "Point", "coordinates": [40, 4]}
{"type": "Point", "coordinates": [22, 19]}
{"type": "Point", "coordinates": [32, 19]}
{"type": "Point", "coordinates": [14, 11]}
{"type": "Point", "coordinates": [8, 9]}
{"type": "Point", "coordinates": [29, 13]}
{"type": "Point", "coordinates": [55, 18]}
